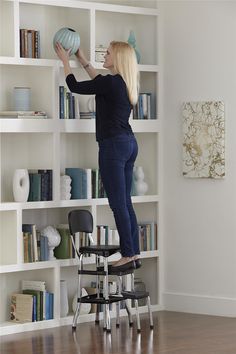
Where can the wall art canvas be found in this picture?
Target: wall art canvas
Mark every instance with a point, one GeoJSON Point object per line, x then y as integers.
{"type": "Point", "coordinates": [204, 139]}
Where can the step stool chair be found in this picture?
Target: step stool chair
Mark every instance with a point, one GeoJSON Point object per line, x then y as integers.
{"type": "Point", "coordinates": [82, 221]}
{"type": "Point", "coordinates": [131, 295]}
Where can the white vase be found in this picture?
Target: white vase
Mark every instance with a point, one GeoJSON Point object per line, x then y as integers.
{"type": "Point", "coordinates": [64, 303]}
{"type": "Point", "coordinates": [21, 185]}
{"type": "Point", "coordinates": [84, 308]}
{"type": "Point", "coordinates": [140, 185]}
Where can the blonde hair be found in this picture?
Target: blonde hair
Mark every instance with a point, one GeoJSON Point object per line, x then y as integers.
{"type": "Point", "coordinates": [125, 64]}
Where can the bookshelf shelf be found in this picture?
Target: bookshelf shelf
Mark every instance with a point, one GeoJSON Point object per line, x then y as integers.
{"type": "Point", "coordinates": [56, 144]}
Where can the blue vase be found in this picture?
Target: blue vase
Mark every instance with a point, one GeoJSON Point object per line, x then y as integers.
{"type": "Point", "coordinates": [68, 38]}
{"type": "Point", "coordinates": [132, 42]}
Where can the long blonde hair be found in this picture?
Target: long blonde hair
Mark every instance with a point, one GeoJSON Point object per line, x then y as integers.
{"type": "Point", "coordinates": [125, 64]}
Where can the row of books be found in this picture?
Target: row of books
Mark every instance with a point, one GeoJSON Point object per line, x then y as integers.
{"type": "Point", "coordinates": [29, 43]}
{"type": "Point", "coordinates": [142, 110]}
{"type": "Point", "coordinates": [148, 236]}
{"type": "Point", "coordinates": [69, 107]}
{"type": "Point", "coordinates": [40, 185]}
{"type": "Point", "coordinates": [35, 245]}
{"type": "Point", "coordinates": [33, 304]}
{"type": "Point", "coordinates": [86, 183]}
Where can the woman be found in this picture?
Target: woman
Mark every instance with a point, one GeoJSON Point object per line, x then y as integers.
{"type": "Point", "coordinates": [116, 93]}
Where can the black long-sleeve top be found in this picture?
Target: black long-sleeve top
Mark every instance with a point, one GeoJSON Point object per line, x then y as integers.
{"type": "Point", "coordinates": [112, 103]}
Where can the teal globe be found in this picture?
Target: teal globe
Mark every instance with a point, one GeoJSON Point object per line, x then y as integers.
{"type": "Point", "coordinates": [68, 38]}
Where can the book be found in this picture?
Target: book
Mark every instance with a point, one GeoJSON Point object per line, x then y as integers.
{"type": "Point", "coordinates": [31, 228]}
{"type": "Point", "coordinates": [23, 114]}
{"type": "Point", "coordinates": [21, 308]}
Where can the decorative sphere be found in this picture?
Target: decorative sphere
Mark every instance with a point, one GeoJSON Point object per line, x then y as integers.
{"type": "Point", "coordinates": [68, 38]}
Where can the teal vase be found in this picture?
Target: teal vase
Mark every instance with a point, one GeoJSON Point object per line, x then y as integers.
{"type": "Point", "coordinates": [68, 38]}
{"type": "Point", "coordinates": [132, 42]}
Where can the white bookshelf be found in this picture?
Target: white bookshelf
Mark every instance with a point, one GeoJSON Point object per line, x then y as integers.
{"type": "Point", "coordinates": [51, 143]}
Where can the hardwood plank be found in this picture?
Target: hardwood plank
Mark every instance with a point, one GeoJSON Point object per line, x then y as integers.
{"type": "Point", "coordinates": [174, 333]}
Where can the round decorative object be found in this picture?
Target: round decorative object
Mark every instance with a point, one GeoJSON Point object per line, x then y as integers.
{"type": "Point", "coordinates": [54, 239]}
{"type": "Point", "coordinates": [21, 185]}
{"type": "Point", "coordinates": [84, 308]}
{"type": "Point", "coordinates": [68, 38]}
{"type": "Point", "coordinates": [64, 303]}
{"type": "Point", "coordinates": [140, 185]}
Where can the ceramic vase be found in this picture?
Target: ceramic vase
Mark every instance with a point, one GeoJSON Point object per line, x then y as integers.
{"type": "Point", "coordinates": [68, 38]}
{"type": "Point", "coordinates": [132, 42]}
{"type": "Point", "coordinates": [64, 303]}
{"type": "Point", "coordinates": [140, 185]}
{"type": "Point", "coordinates": [21, 185]}
{"type": "Point", "coordinates": [21, 98]}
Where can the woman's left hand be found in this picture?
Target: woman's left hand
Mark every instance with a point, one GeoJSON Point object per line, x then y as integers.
{"type": "Point", "coordinates": [62, 53]}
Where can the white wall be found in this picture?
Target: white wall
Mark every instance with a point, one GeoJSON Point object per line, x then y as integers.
{"type": "Point", "coordinates": [199, 62]}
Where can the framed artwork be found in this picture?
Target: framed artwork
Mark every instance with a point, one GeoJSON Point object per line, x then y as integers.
{"type": "Point", "coordinates": [204, 139]}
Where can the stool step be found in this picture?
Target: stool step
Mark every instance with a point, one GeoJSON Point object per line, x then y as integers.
{"type": "Point", "coordinates": [113, 271]}
{"type": "Point", "coordinates": [93, 299]}
{"type": "Point", "coordinates": [135, 294]}
{"type": "Point", "coordinates": [92, 272]}
{"type": "Point", "coordinates": [101, 250]}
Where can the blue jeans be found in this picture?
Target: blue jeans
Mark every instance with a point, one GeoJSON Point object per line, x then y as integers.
{"type": "Point", "coordinates": [116, 161]}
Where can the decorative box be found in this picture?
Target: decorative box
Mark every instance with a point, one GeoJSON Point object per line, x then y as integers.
{"type": "Point", "coordinates": [100, 52]}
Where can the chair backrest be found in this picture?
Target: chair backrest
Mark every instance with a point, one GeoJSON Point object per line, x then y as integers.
{"type": "Point", "coordinates": [80, 221]}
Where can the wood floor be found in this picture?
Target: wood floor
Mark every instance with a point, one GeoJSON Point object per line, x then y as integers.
{"type": "Point", "coordinates": [174, 333]}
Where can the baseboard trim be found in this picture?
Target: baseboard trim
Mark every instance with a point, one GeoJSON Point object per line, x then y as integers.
{"type": "Point", "coordinates": [207, 305]}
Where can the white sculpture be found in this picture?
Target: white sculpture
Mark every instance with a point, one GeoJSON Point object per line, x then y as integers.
{"type": "Point", "coordinates": [21, 185]}
{"type": "Point", "coordinates": [140, 185]}
{"type": "Point", "coordinates": [54, 239]}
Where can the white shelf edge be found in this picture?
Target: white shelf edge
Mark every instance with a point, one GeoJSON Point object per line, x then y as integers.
{"type": "Point", "coordinates": [28, 61]}
{"type": "Point", "coordinates": [141, 67]}
{"type": "Point", "coordinates": [17, 125]}
{"type": "Point", "coordinates": [71, 203]}
{"type": "Point", "coordinates": [96, 6]}
{"type": "Point", "coordinates": [8, 327]}
{"type": "Point", "coordinates": [13, 268]}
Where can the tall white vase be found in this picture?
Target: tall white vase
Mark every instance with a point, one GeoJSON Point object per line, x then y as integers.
{"type": "Point", "coordinates": [141, 186]}
{"type": "Point", "coordinates": [21, 185]}
{"type": "Point", "coordinates": [64, 303]}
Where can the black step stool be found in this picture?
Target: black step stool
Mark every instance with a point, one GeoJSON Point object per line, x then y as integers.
{"type": "Point", "coordinates": [82, 221]}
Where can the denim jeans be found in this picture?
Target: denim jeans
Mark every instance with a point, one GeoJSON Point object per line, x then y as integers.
{"type": "Point", "coordinates": [116, 161]}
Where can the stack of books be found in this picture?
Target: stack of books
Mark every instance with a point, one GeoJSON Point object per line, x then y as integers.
{"type": "Point", "coordinates": [23, 114]}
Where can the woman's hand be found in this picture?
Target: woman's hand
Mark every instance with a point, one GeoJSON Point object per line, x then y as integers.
{"type": "Point", "coordinates": [62, 53]}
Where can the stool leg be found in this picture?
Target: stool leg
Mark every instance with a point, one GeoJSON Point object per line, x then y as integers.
{"type": "Point", "coordinates": [119, 286]}
{"type": "Point", "coordinates": [97, 290]}
{"type": "Point", "coordinates": [76, 315]}
{"type": "Point", "coordinates": [137, 315]}
{"type": "Point", "coordinates": [106, 296]}
{"type": "Point", "coordinates": [150, 312]}
{"type": "Point", "coordinates": [127, 307]}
